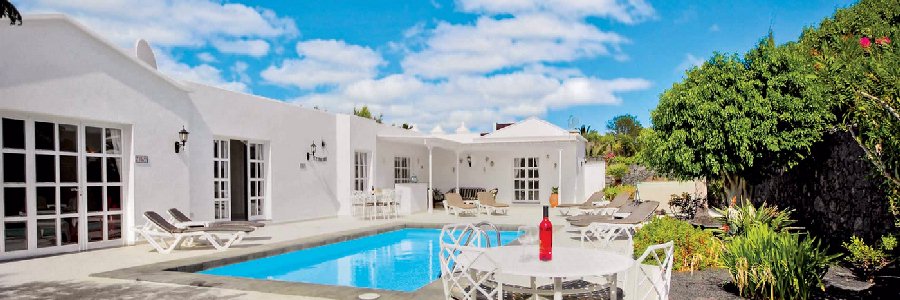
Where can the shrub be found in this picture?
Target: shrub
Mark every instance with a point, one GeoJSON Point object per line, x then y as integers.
{"type": "Point", "coordinates": [695, 249]}
{"type": "Point", "coordinates": [611, 191]}
{"type": "Point", "coordinates": [738, 219]}
{"type": "Point", "coordinates": [867, 260]}
{"type": "Point", "coordinates": [685, 204]}
{"type": "Point", "coordinates": [765, 264]}
{"type": "Point", "coordinates": [617, 171]}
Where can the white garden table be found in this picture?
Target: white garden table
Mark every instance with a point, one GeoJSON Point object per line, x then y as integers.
{"type": "Point", "coordinates": [567, 262]}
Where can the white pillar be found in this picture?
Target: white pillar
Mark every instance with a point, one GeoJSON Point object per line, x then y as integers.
{"type": "Point", "coordinates": [457, 172]}
{"type": "Point", "coordinates": [430, 181]}
{"type": "Point", "coordinates": [560, 175]}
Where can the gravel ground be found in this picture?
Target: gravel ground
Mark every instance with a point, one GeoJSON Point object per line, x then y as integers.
{"type": "Point", "coordinates": [840, 284]}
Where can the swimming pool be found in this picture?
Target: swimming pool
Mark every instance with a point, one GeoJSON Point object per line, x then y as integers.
{"type": "Point", "coordinates": [400, 260]}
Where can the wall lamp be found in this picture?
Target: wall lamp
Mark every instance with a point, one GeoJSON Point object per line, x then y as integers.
{"type": "Point", "coordinates": [469, 160]}
{"type": "Point", "coordinates": [182, 137]}
{"type": "Point", "coordinates": [312, 152]}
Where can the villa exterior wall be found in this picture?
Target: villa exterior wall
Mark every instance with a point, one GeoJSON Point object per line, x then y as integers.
{"type": "Point", "coordinates": [500, 176]}
{"type": "Point", "coordinates": [65, 76]}
{"type": "Point", "coordinates": [297, 189]}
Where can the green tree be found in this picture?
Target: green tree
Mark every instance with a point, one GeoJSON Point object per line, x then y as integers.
{"type": "Point", "coordinates": [365, 113]}
{"type": "Point", "coordinates": [624, 125]}
{"type": "Point", "coordinates": [8, 10]}
{"type": "Point", "coordinates": [735, 119]}
{"type": "Point", "coordinates": [856, 59]}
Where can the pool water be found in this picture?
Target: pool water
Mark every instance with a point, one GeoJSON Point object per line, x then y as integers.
{"type": "Point", "coordinates": [401, 260]}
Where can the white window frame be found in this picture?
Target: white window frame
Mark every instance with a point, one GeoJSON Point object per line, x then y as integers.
{"type": "Point", "coordinates": [222, 179]}
{"type": "Point", "coordinates": [361, 171]}
{"type": "Point", "coordinates": [256, 203]}
{"type": "Point", "coordinates": [401, 169]}
{"type": "Point", "coordinates": [526, 179]}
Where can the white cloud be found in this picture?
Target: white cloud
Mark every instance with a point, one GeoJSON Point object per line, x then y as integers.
{"type": "Point", "coordinates": [206, 57]}
{"type": "Point", "coordinates": [203, 73]}
{"type": "Point", "coordinates": [476, 100]}
{"type": "Point", "coordinates": [325, 63]}
{"type": "Point", "coordinates": [625, 11]}
{"type": "Point", "coordinates": [690, 61]}
{"type": "Point", "coordinates": [255, 48]}
{"type": "Point", "coordinates": [491, 44]}
{"type": "Point", "coordinates": [190, 23]}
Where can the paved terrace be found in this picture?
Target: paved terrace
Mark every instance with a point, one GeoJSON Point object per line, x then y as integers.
{"type": "Point", "coordinates": [68, 276]}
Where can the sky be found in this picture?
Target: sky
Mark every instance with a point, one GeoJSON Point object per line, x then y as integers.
{"type": "Point", "coordinates": [445, 63]}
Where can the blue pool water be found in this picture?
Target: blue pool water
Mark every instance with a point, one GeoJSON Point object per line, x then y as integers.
{"type": "Point", "coordinates": [401, 260]}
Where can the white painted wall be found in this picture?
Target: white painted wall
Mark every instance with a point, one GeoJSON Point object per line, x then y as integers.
{"type": "Point", "coordinates": [297, 189]}
{"type": "Point", "coordinates": [55, 69]}
{"type": "Point", "coordinates": [500, 176]}
{"type": "Point", "coordinates": [594, 177]}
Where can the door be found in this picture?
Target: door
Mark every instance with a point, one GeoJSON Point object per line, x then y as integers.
{"type": "Point", "coordinates": [526, 180]}
{"type": "Point", "coordinates": [256, 181]}
{"type": "Point", "coordinates": [238, 163]}
{"type": "Point", "coordinates": [222, 180]}
{"type": "Point", "coordinates": [62, 186]}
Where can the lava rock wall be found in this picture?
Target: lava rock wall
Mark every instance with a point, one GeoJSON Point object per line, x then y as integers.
{"type": "Point", "coordinates": [835, 193]}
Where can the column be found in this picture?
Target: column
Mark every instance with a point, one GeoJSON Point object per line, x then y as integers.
{"type": "Point", "coordinates": [430, 181]}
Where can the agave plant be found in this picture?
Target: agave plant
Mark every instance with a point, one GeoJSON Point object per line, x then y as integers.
{"type": "Point", "coordinates": [737, 219]}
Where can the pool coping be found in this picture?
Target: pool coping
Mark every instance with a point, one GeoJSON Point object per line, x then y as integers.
{"type": "Point", "coordinates": [183, 271]}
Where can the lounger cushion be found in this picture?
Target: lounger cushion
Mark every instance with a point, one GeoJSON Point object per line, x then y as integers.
{"type": "Point", "coordinates": [181, 217]}
{"type": "Point", "coordinates": [219, 229]}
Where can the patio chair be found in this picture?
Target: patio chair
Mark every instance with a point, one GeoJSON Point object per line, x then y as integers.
{"type": "Point", "coordinates": [466, 272]}
{"type": "Point", "coordinates": [603, 236]}
{"type": "Point", "coordinates": [388, 203]}
{"type": "Point", "coordinates": [622, 200]}
{"type": "Point", "coordinates": [181, 220]}
{"type": "Point", "coordinates": [488, 204]}
{"type": "Point", "coordinates": [158, 230]}
{"type": "Point", "coordinates": [454, 204]}
{"type": "Point", "coordinates": [358, 201]}
{"type": "Point", "coordinates": [653, 268]}
{"type": "Point", "coordinates": [566, 208]}
{"type": "Point", "coordinates": [642, 212]}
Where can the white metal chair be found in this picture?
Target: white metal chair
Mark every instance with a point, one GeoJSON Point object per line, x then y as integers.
{"type": "Point", "coordinates": [358, 200]}
{"type": "Point", "coordinates": [466, 272]}
{"type": "Point", "coordinates": [389, 201]}
{"type": "Point", "coordinates": [654, 267]}
{"type": "Point", "coordinates": [602, 235]}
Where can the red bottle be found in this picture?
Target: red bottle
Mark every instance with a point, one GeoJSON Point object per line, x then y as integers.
{"type": "Point", "coordinates": [546, 236]}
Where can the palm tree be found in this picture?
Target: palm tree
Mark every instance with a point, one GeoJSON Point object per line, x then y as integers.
{"type": "Point", "coordinates": [8, 10]}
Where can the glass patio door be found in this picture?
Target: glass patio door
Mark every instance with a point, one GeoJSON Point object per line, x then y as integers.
{"type": "Point", "coordinates": [256, 181]}
{"type": "Point", "coordinates": [221, 180]}
{"type": "Point", "coordinates": [61, 186]}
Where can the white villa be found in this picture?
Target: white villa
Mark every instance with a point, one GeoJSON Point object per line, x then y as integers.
{"type": "Point", "coordinates": [91, 137]}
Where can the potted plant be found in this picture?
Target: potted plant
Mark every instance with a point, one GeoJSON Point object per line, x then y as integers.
{"type": "Point", "coordinates": [554, 196]}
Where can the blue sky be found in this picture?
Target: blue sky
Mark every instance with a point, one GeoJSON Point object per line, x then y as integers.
{"type": "Point", "coordinates": [444, 62]}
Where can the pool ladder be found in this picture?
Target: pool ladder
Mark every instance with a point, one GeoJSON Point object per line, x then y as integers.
{"type": "Point", "coordinates": [483, 232]}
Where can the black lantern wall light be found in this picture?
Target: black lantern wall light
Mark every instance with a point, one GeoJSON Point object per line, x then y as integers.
{"type": "Point", "coordinates": [311, 155]}
{"type": "Point", "coordinates": [182, 139]}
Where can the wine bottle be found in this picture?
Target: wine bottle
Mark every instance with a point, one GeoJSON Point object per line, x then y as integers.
{"type": "Point", "coordinates": [546, 236]}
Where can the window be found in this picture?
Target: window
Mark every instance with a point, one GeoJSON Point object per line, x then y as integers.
{"type": "Point", "coordinates": [401, 169]}
{"type": "Point", "coordinates": [526, 180]}
{"type": "Point", "coordinates": [221, 180]}
{"type": "Point", "coordinates": [256, 180]}
{"type": "Point", "coordinates": [361, 171]}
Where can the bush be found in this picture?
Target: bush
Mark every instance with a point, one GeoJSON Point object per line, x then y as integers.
{"type": "Point", "coordinates": [617, 171]}
{"type": "Point", "coordinates": [867, 260]}
{"type": "Point", "coordinates": [695, 249]}
{"type": "Point", "coordinates": [685, 205]}
{"type": "Point", "coordinates": [738, 219]}
{"type": "Point", "coordinates": [765, 264]}
{"type": "Point", "coordinates": [611, 191]}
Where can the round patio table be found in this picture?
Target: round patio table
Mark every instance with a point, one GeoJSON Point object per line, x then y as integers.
{"type": "Point", "coordinates": [567, 262]}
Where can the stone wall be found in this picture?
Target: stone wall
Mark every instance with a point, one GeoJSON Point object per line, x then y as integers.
{"type": "Point", "coordinates": [834, 193]}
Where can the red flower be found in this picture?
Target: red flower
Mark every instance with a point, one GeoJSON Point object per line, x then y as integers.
{"type": "Point", "coordinates": [725, 228]}
{"type": "Point", "coordinates": [883, 41]}
{"type": "Point", "coordinates": [865, 42]}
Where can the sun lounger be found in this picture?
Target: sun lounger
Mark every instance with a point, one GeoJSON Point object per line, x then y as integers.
{"type": "Point", "coordinates": [488, 204]}
{"type": "Point", "coordinates": [165, 237]}
{"type": "Point", "coordinates": [621, 200]}
{"type": "Point", "coordinates": [641, 213]}
{"type": "Point", "coordinates": [566, 208]}
{"type": "Point", "coordinates": [182, 220]}
{"type": "Point", "coordinates": [455, 205]}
